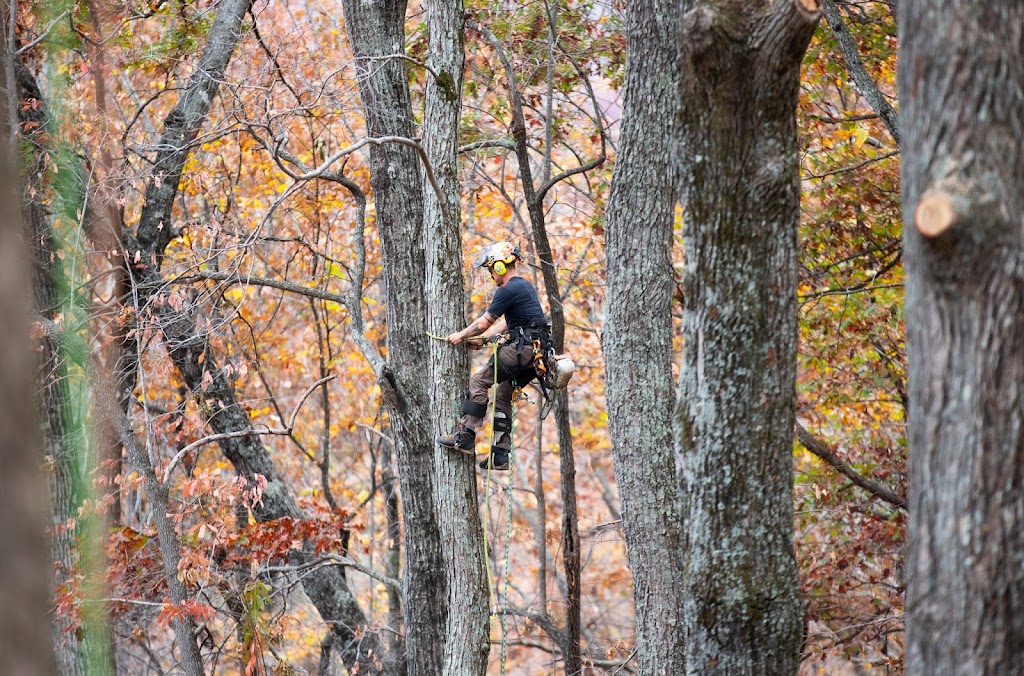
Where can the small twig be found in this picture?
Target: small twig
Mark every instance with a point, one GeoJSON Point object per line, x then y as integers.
{"type": "Point", "coordinates": [403, 57]}
{"type": "Point", "coordinates": [488, 143]}
{"type": "Point", "coordinates": [853, 167]}
{"type": "Point", "coordinates": [827, 119]}
{"type": "Point", "coordinates": [377, 432]}
{"type": "Point", "coordinates": [244, 433]}
{"type": "Point", "coordinates": [849, 291]}
{"type": "Point", "coordinates": [861, 286]}
{"type": "Point", "coordinates": [136, 602]}
{"type": "Point", "coordinates": [334, 560]}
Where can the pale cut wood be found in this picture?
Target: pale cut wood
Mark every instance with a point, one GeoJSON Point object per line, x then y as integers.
{"type": "Point", "coordinates": [935, 213]}
{"type": "Point", "coordinates": [812, 7]}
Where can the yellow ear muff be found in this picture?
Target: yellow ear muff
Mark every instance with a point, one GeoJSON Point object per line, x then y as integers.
{"type": "Point", "coordinates": [498, 267]}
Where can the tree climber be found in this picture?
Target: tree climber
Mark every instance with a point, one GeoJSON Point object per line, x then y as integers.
{"type": "Point", "coordinates": [516, 318]}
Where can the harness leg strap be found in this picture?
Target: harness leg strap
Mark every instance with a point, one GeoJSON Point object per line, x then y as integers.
{"type": "Point", "coordinates": [503, 429]}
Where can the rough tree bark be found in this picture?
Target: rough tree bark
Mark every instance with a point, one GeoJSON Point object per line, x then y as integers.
{"type": "Point", "coordinates": [376, 30]}
{"type": "Point", "coordinates": [638, 381]}
{"type": "Point", "coordinates": [25, 630]}
{"type": "Point", "coordinates": [961, 81]}
{"type": "Point", "coordinates": [170, 548]}
{"type": "Point", "coordinates": [52, 387]}
{"type": "Point", "coordinates": [741, 64]}
{"type": "Point", "coordinates": [468, 631]}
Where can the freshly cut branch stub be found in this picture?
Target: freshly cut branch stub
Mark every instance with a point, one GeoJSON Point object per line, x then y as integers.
{"type": "Point", "coordinates": [934, 213]}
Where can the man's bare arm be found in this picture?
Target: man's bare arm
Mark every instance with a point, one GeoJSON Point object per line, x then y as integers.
{"type": "Point", "coordinates": [496, 329]}
{"type": "Point", "coordinates": [479, 325]}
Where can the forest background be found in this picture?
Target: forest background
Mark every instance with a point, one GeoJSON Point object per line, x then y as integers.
{"type": "Point", "coordinates": [260, 284]}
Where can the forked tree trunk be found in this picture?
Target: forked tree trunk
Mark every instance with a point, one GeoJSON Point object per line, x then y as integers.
{"type": "Point", "coordinates": [961, 80]}
{"type": "Point", "coordinates": [467, 635]}
{"type": "Point", "coordinates": [326, 587]}
{"type": "Point", "coordinates": [741, 62]}
{"type": "Point", "coordinates": [376, 29]}
{"type": "Point", "coordinates": [637, 339]}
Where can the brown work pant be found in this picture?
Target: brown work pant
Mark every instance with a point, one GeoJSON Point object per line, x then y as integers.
{"type": "Point", "coordinates": [515, 364]}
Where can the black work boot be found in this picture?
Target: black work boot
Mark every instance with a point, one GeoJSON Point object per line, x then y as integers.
{"type": "Point", "coordinates": [462, 439]}
{"type": "Point", "coordinates": [498, 459]}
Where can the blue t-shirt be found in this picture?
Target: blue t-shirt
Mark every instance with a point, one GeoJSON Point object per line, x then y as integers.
{"type": "Point", "coordinates": [517, 300]}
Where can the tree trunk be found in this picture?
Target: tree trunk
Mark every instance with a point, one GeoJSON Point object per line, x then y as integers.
{"type": "Point", "coordinates": [170, 549]}
{"type": "Point", "coordinates": [638, 382]}
{"type": "Point", "coordinates": [741, 63]}
{"type": "Point", "coordinates": [25, 630]}
{"type": "Point", "coordinates": [326, 587]}
{"type": "Point", "coordinates": [393, 569]}
{"type": "Point", "coordinates": [103, 224]}
{"type": "Point", "coordinates": [468, 630]}
{"type": "Point", "coordinates": [377, 29]}
{"type": "Point", "coordinates": [53, 396]}
{"type": "Point", "coordinates": [534, 199]}
{"type": "Point", "coordinates": [961, 82]}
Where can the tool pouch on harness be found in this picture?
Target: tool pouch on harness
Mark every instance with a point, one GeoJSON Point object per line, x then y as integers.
{"type": "Point", "coordinates": [553, 371]}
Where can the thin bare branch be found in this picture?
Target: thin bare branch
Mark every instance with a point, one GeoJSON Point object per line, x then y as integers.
{"type": "Point", "coordinates": [403, 57]}
{"type": "Point", "coordinates": [488, 143]}
{"type": "Point", "coordinates": [42, 36]}
{"type": "Point", "coordinates": [287, 431]}
{"type": "Point", "coordinates": [855, 67]}
{"type": "Point", "coordinates": [335, 560]}
{"type": "Point", "coordinates": [818, 448]}
{"type": "Point", "coordinates": [853, 167]}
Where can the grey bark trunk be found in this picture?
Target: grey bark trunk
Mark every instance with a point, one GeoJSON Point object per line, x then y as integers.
{"type": "Point", "coordinates": [191, 662]}
{"type": "Point", "coordinates": [394, 565]}
{"type": "Point", "coordinates": [961, 81]}
{"type": "Point", "coordinates": [25, 630]}
{"type": "Point", "coordinates": [570, 531]}
{"type": "Point", "coordinates": [377, 29]}
{"type": "Point", "coordinates": [637, 340]}
{"type": "Point", "coordinates": [468, 639]}
{"type": "Point", "coordinates": [741, 66]}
